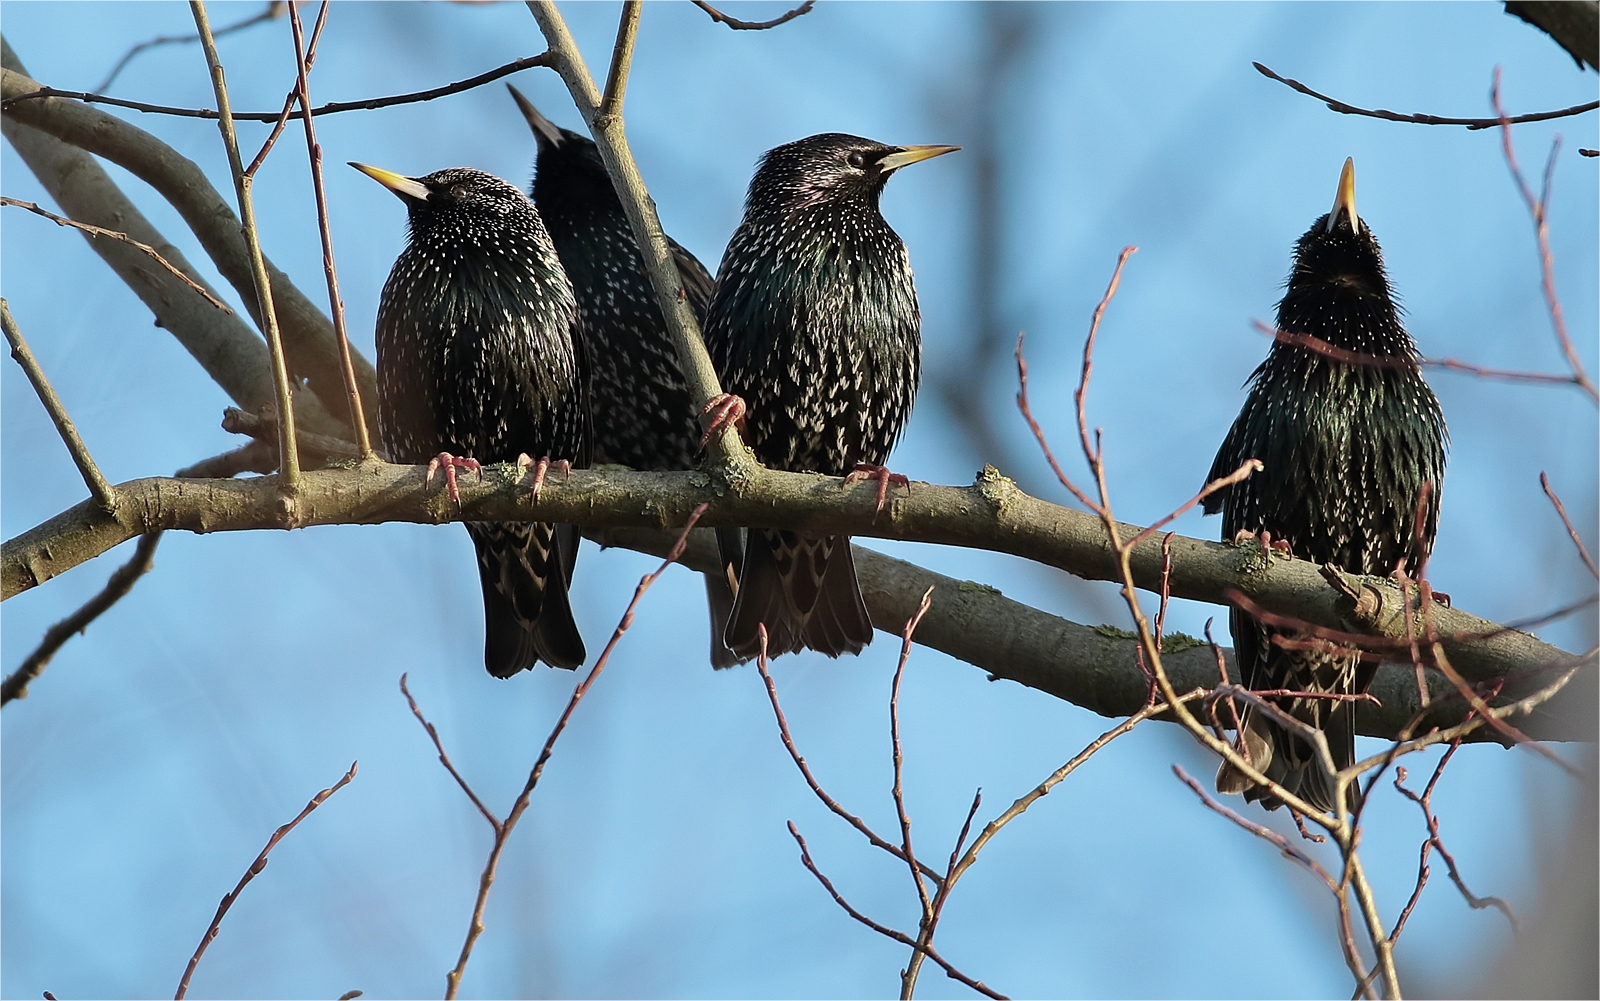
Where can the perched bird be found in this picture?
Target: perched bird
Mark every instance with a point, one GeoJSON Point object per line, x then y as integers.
{"type": "Point", "coordinates": [480, 359]}
{"type": "Point", "coordinates": [815, 333]}
{"type": "Point", "coordinates": [644, 415]}
{"type": "Point", "coordinates": [1348, 445]}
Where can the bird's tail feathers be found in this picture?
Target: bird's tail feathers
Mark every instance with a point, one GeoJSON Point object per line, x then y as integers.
{"type": "Point", "coordinates": [804, 590]}
{"type": "Point", "coordinates": [524, 571]}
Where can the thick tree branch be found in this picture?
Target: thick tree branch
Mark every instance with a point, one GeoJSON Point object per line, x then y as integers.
{"type": "Point", "coordinates": [313, 353]}
{"type": "Point", "coordinates": [1573, 24]}
{"type": "Point", "coordinates": [993, 514]}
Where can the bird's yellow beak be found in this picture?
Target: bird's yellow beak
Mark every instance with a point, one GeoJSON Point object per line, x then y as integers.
{"type": "Point", "coordinates": [1345, 202]}
{"type": "Point", "coordinates": [912, 154]}
{"type": "Point", "coordinates": [402, 186]}
{"type": "Point", "coordinates": [542, 127]}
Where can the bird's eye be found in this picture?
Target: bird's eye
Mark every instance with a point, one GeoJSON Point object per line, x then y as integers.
{"type": "Point", "coordinates": [857, 159]}
{"type": "Point", "coordinates": [458, 191]}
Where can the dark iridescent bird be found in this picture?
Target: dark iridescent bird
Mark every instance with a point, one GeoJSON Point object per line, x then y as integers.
{"type": "Point", "coordinates": [814, 326]}
{"type": "Point", "coordinates": [480, 360]}
{"type": "Point", "coordinates": [1347, 449]}
{"type": "Point", "coordinates": [644, 415]}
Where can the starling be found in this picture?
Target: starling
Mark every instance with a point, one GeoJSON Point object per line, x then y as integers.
{"type": "Point", "coordinates": [644, 415]}
{"type": "Point", "coordinates": [480, 359]}
{"type": "Point", "coordinates": [815, 333]}
{"type": "Point", "coordinates": [1348, 446]}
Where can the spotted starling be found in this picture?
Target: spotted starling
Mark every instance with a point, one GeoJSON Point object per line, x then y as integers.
{"type": "Point", "coordinates": [1348, 445]}
{"type": "Point", "coordinates": [480, 359]}
{"type": "Point", "coordinates": [814, 325]}
{"type": "Point", "coordinates": [644, 416]}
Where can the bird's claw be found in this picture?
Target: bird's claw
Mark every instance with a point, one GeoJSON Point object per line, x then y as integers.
{"type": "Point", "coordinates": [726, 410]}
{"type": "Point", "coordinates": [450, 463]}
{"type": "Point", "coordinates": [1264, 540]}
{"type": "Point", "coordinates": [542, 467]}
{"type": "Point", "coordinates": [868, 471]}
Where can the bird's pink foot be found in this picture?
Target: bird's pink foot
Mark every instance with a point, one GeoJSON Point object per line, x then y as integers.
{"type": "Point", "coordinates": [450, 463]}
{"type": "Point", "coordinates": [868, 471]}
{"type": "Point", "coordinates": [726, 410]}
{"type": "Point", "coordinates": [541, 468]}
{"type": "Point", "coordinates": [1265, 540]}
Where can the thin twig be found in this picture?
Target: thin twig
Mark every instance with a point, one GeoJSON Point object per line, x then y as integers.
{"type": "Point", "coordinates": [738, 25]}
{"type": "Point", "coordinates": [816, 787]}
{"type": "Point", "coordinates": [124, 238]}
{"type": "Point", "coordinates": [291, 98]}
{"type": "Point", "coordinates": [1425, 802]}
{"type": "Point", "coordinates": [101, 490]}
{"type": "Point", "coordinates": [1539, 209]}
{"type": "Point", "coordinates": [1418, 119]}
{"type": "Point", "coordinates": [288, 456]}
{"type": "Point", "coordinates": [908, 979]}
{"type": "Point", "coordinates": [444, 757]}
{"type": "Point", "coordinates": [504, 828]}
{"type": "Point", "coordinates": [1348, 357]}
{"type": "Point", "coordinates": [901, 937]}
{"type": "Point", "coordinates": [255, 867]}
{"type": "Point", "coordinates": [332, 108]}
{"type": "Point", "coordinates": [335, 301]}
{"type": "Point", "coordinates": [16, 684]}
{"type": "Point", "coordinates": [1583, 551]}
{"type": "Point", "coordinates": [274, 9]}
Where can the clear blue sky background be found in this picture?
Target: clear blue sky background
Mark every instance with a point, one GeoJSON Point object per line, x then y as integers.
{"type": "Point", "coordinates": [159, 751]}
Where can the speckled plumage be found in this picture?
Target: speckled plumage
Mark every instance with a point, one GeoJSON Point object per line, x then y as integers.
{"type": "Point", "coordinates": [814, 323]}
{"type": "Point", "coordinates": [1347, 448]}
{"type": "Point", "coordinates": [644, 415]}
{"type": "Point", "coordinates": [478, 354]}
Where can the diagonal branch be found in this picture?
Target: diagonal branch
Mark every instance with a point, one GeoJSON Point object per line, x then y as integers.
{"type": "Point", "coordinates": [255, 867]}
{"type": "Point", "coordinates": [16, 684]}
{"type": "Point", "coordinates": [102, 491]}
{"type": "Point", "coordinates": [738, 25]}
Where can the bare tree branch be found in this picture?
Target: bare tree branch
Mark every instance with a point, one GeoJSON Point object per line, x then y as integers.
{"type": "Point", "coordinates": [1391, 116]}
{"type": "Point", "coordinates": [255, 867]}
{"type": "Point", "coordinates": [121, 582]}
{"type": "Point", "coordinates": [738, 25]}
{"type": "Point", "coordinates": [273, 10]}
{"type": "Point", "coordinates": [13, 101]}
{"type": "Point", "coordinates": [103, 493]}
{"type": "Point", "coordinates": [312, 350]}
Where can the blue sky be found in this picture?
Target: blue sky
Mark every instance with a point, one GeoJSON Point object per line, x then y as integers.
{"type": "Point", "coordinates": [159, 751]}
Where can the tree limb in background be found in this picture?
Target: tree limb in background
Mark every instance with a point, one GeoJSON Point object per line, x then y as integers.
{"type": "Point", "coordinates": [1419, 119]}
{"type": "Point", "coordinates": [312, 351]}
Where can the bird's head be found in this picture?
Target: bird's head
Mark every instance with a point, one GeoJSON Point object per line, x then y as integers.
{"type": "Point", "coordinates": [833, 166]}
{"type": "Point", "coordinates": [1339, 251]}
{"type": "Point", "coordinates": [458, 197]}
{"type": "Point", "coordinates": [568, 169]}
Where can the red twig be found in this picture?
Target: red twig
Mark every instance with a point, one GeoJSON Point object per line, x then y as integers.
{"type": "Point", "coordinates": [901, 937]}
{"type": "Point", "coordinates": [255, 867]}
{"type": "Point", "coordinates": [1433, 841]}
{"type": "Point", "coordinates": [1583, 551]}
{"type": "Point", "coordinates": [303, 58]}
{"type": "Point", "coordinates": [444, 758]}
{"type": "Point", "coordinates": [899, 760]}
{"type": "Point", "coordinates": [738, 25]}
{"type": "Point", "coordinates": [1539, 208]}
{"type": "Point", "coordinates": [1322, 347]}
{"type": "Point", "coordinates": [1419, 119]}
{"type": "Point", "coordinates": [1038, 432]}
{"type": "Point", "coordinates": [503, 829]}
{"type": "Point", "coordinates": [811, 780]}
